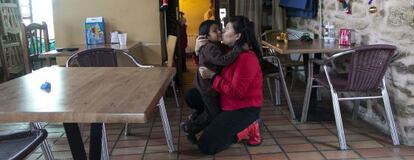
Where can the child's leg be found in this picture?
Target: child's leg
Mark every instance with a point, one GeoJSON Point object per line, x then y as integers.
{"type": "Point", "coordinates": [222, 131]}
{"type": "Point", "coordinates": [194, 100]}
{"type": "Point", "coordinates": [191, 125]}
{"type": "Point", "coordinates": [211, 101]}
{"type": "Point", "coordinates": [211, 110]}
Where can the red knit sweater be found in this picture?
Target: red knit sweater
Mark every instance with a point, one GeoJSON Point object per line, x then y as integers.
{"type": "Point", "coordinates": [240, 84]}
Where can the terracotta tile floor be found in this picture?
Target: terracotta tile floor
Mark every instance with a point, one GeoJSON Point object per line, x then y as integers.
{"type": "Point", "coordinates": [282, 139]}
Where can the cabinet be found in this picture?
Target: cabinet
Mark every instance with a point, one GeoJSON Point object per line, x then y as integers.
{"type": "Point", "coordinates": [11, 55]}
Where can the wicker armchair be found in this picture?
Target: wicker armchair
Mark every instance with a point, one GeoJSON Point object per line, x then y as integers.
{"type": "Point", "coordinates": [367, 66]}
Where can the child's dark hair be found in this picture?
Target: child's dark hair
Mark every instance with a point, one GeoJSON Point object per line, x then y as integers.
{"type": "Point", "coordinates": [204, 28]}
{"type": "Point", "coordinates": [246, 28]}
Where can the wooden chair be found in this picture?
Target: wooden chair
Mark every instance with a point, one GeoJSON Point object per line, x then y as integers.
{"type": "Point", "coordinates": [12, 61]}
{"type": "Point", "coordinates": [36, 39]}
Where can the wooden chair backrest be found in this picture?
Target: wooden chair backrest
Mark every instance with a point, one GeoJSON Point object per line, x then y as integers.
{"type": "Point", "coordinates": [171, 44]}
{"type": "Point", "coordinates": [37, 37]}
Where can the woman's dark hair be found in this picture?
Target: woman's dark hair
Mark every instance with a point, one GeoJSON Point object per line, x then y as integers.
{"type": "Point", "coordinates": [204, 28]}
{"type": "Point", "coordinates": [246, 28]}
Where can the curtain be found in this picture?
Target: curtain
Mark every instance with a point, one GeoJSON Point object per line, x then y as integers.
{"type": "Point", "coordinates": [251, 9]}
{"type": "Point", "coordinates": [279, 14]}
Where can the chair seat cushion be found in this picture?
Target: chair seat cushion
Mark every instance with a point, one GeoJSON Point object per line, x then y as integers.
{"type": "Point", "coordinates": [268, 68]}
{"type": "Point", "coordinates": [20, 144]}
{"type": "Point", "coordinates": [339, 81]}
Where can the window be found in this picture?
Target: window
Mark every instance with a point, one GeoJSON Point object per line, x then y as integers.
{"type": "Point", "coordinates": [26, 11]}
{"type": "Point", "coordinates": [223, 14]}
{"type": "Point", "coordinates": [38, 11]}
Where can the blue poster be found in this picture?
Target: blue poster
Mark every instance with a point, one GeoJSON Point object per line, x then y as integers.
{"type": "Point", "coordinates": [95, 30]}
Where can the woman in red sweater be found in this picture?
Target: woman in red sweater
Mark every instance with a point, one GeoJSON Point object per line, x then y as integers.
{"type": "Point", "coordinates": [240, 88]}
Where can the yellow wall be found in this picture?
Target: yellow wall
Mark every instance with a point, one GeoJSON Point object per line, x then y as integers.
{"type": "Point", "coordinates": [139, 18]}
{"type": "Point", "coordinates": [194, 12]}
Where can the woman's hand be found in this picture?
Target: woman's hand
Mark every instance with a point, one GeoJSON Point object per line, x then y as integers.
{"type": "Point", "coordinates": [200, 41]}
{"type": "Point", "coordinates": [206, 73]}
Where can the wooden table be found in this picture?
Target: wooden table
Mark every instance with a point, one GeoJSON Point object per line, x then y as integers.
{"type": "Point", "coordinates": [63, 54]}
{"type": "Point", "coordinates": [87, 95]}
{"type": "Point", "coordinates": [298, 46]}
{"type": "Point", "coordinates": [315, 47]}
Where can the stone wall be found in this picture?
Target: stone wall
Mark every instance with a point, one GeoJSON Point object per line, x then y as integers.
{"type": "Point", "coordinates": [393, 23]}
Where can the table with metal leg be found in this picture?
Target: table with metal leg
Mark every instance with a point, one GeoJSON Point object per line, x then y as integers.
{"type": "Point", "coordinates": [314, 48]}
{"type": "Point", "coordinates": [95, 95]}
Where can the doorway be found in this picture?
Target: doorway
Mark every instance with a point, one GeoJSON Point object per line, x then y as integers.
{"type": "Point", "coordinates": [182, 19]}
{"type": "Point", "coordinates": [196, 11]}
